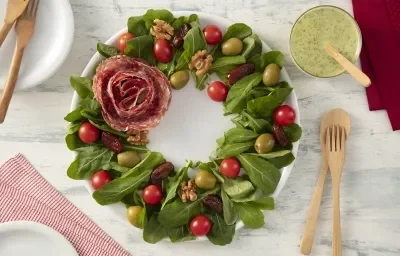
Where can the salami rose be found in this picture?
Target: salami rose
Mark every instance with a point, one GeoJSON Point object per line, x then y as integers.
{"type": "Point", "coordinates": [133, 95]}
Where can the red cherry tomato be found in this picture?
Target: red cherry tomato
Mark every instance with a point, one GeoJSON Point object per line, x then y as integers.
{"type": "Point", "coordinates": [212, 34]}
{"type": "Point", "coordinates": [99, 179]}
{"type": "Point", "coordinates": [217, 91]}
{"type": "Point", "coordinates": [284, 115]}
{"type": "Point", "coordinates": [200, 225]}
{"type": "Point", "coordinates": [88, 133]}
{"type": "Point", "coordinates": [123, 40]}
{"type": "Point", "coordinates": [152, 195]}
{"type": "Point", "coordinates": [230, 167]}
{"type": "Point", "coordinates": [162, 51]}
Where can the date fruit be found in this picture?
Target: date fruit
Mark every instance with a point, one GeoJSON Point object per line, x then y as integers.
{"type": "Point", "coordinates": [213, 202]}
{"type": "Point", "coordinates": [180, 34]}
{"type": "Point", "coordinates": [111, 142]}
{"type": "Point", "coordinates": [280, 135]}
{"type": "Point", "coordinates": [161, 172]}
{"type": "Point", "coordinates": [241, 71]}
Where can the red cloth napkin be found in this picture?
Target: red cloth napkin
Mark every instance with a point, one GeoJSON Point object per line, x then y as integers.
{"type": "Point", "coordinates": [26, 195]}
{"type": "Point", "coordinates": [379, 22]}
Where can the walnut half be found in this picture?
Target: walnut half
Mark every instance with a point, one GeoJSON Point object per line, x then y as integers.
{"type": "Point", "coordinates": [201, 62]}
{"type": "Point", "coordinates": [162, 30]}
{"type": "Point", "coordinates": [187, 191]}
{"type": "Point", "coordinates": [138, 137]}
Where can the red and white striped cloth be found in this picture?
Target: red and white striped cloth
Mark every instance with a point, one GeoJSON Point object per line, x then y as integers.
{"type": "Point", "coordinates": [26, 195]}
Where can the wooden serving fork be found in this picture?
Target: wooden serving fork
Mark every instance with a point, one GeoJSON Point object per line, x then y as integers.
{"type": "Point", "coordinates": [14, 9]}
{"type": "Point", "coordinates": [24, 28]}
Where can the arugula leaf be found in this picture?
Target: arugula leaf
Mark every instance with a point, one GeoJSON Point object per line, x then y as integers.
{"type": "Point", "coordinates": [107, 50]}
{"type": "Point", "coordinates": [249, 43]}
{"type": "Point", "coordinates": [236, 100]}
{"type": "Point", "coordinates": [214, 168]}
{"type": "Point", "coordinates": [257, 50]}
{"type": "Point", "coordinates": [233, 149]}
{"type": "Point", "coordinates": [294, 132]}
{"type": "Point", "coordinates": [279, 158]}
{"type": "Point", "coordinates": [229, 210]}
{"type": "Point", "coordinates": [73, 127]}
{"type": "Point", "coordinates": [239, 135]}
{"type": "Point", "coordinates": [169, 68]}
{"type": "Point", "coordinates": [264, 107]}
{"type": "Point", "coordinates": [115, 166]}
{"type": "Point", "coordinates": [266, 203]}
{"type": "Point", "coordinates": [193, 18]}
{"type": "Point", "coordinates": [237, 188]}
{"type": "Point", "coordinates": [82, 86]}
{"type": "Point", "coordinates": [221, 233]}
{"type": "Point", "coordinates": [256, 60]}
{"type": "Point", "coordinates": [245, 120]}
{"type": "Point", "coordinates": [129, 200]}
{"type": "Point", "coordinates": [223, 77]}
{"type": "Point", "coordinates": [139, 148]}
{"type": "Point", "coordinates": [262, 173]}
{"type": "Point", "coordinates": [251, 216]}
{"type": "Point", "coordinates": [88, 161]}
{"type": "Point", "coordinates": [193, 42]}
{"type": "Point", "coordinates": [105, 127]}
{"type": "Point", "coordinates": [74, 116]}
{"type": "Point", "coordinates": [154, 232]}
{"type": "Point", "coordinates": [238, 30]}
{"type": "Point", "coordinates": [160, 14]}
{"type": "Point", "coordinates": [141, 47]}
{"type": "Point", "coordinates": [141, 219]}
{"type": "Point", "coordinates": [255, 195]}
{"type": "Point", "coordinates": [180, 234]}
{"type": "Point", "coordinates": [179, 213]}
{"type": "Point", "coordinates": [201, 81]}
{"type": "Point", "coordinates": [73, 142]}
{"type": "Point", "coordinates": [91, 107]}
{"type": "Point", "coordinates": [226, 64]}
{"type": "Point", "coordinates": [137, 26]}
{"type": "Point", "coordinates": [272, 57]}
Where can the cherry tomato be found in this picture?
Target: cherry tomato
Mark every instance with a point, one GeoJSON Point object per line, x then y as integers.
{"type": "Point", "coordinates": [230, 167]}
{"type": "Point", "coordinates": [200, 225]}
{"type": "Point", "coordinates": [152, 195]}
{"type": "Point", "coordinates": [99, 179]}
{"type": "Point", "coordinates": [217, 91]}
{"type": "Point", "coordinates": [162, 51]}
{"type": "Point", "coordinates": [88, 133]}
{"type": "Point", "coordinates": [212, 34]}
{"type": "Point", "coordinates": [284, 115]}
{"type": "Point", "coordinates": [123, 40]}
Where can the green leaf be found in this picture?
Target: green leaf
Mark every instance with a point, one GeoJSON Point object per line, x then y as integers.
{"type": "Point", "coordinates": [106, 128]}
{"type": "Point", "coordinates": [251, 216]}
{"type": "Point", "coordinates": [279, 158]}
{"type": "Point", "coordinates": [259, 126]}
{"type": "Point", "coordinates": [257, 50]}
{"type": "Point", "coordinates": [264, 107]}
{"type": "Point", "coordinates": [115, 166]}
{"type": "Point", "coordinates": [294, 132]}
{"type": "Point", "coordinates": [73, 142]}
{"type": "Point", "coordinates": [107, 50]}
{"type": "Point", "coordinates": [91, 106]}
{"type": "Point", "coordinates": [256, 60]}
{"type": "Point", "coordinates": [266, 203]}
{"type": "Point", "coordinates": [160, 14]}
{"type": "Point", "coordinates": [129, 200]}
{"type": "Point", "coordinates": [272, 57]}
{"type": "Point", "coordinates": [226, 64]}
{"type": "Point", "coordinates": [214, 168]}
{"type": "Point", "coordinates": [73, 127]}
{"type": "Point", "coordinates": [74, 116]}
{"type": "Point", "coordinates": [236, 100]}
{"type": "Point", "coordinates": [238, 30]}
{"type": "Point", "coordinates": [136, 26]}
{"type": "Point", "coordinates": [193, 18]}
{"type": "Point", "coordinates": [141, 220]}
{"type": "Point", "coordinates": [223, 77]}
{"type": "Point", "coordinates": [240, 135]}
{"type": "Point", "coordinates": [139, 148]}
{"type": "Point", "coordinates": [169, 68]}
{"type": "Point", "coordinates": [154, 232]}
{"type": "Point", "coordinates": [255, 195]}
{"type": "Point", "coordinates": [237, 188]}
{"type": "Point", "coordinates": [221, 233]}
{"type": "Point", "coordinates": [201, 81]}
{"type": "Point", "coordinates": [262, 173]}
{"type": "Point", "coordinates": [180, 234]}
{"type": "Point", "coordinates": [249, 43]}
{"type": "Point", "coordinates": [233, 149]}
{"type": "Point", "coordinates": [272, 155]}
{"type": "Point", "coordinates": [141, 47]}
{"type": "Point", "coordinates": [193, 42]}
{"type": "Point", "coordinates": [179, 213]}
{"type": "Point", "coordinates": [82, 86]}
{"type": "Point", "coordinates": [88, 161]}
{"type": "Point", "coordinates": [229, 210]}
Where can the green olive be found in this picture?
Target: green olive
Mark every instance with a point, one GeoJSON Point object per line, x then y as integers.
{"type": "Point", "coordinates": [271, 75]}
{"type": "Point", "coordinates": [232, 46]}
{"type": "Point", "coordinates": [179, 79]}
{"type": "Point", "coordinates": [264, 143]}
{"type": "Point", "coordinates": [128, 159]}
{"type": "Point", "coordinates": [205, 180]}
{"type": "Point", "coordinates": [132, 213]}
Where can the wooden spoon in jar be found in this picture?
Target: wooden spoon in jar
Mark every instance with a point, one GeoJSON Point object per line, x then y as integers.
{"type": "Point", "coordinates": [355, 72]}
{"type": "Point", "coordinates": [333, 117]}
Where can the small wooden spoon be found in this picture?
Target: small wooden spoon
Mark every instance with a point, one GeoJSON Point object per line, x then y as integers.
{"type": "Point", "coordinates": [355, 72]}
{"type": "Point", "coordinates": [333, 117]}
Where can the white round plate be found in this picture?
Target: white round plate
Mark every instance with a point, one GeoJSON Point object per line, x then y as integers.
{"type": "Point", "coordinates": [193, 122]}
{"type": "Point", "coordinates": [48, 47]}
{"type": "Point", "coordinates": [23, 238]}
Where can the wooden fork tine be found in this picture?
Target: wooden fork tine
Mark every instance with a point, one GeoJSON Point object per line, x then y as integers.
{"type": "Point", "coordinates": [328, 139]}
{"type": "Point", "coordinates": [343, 138]}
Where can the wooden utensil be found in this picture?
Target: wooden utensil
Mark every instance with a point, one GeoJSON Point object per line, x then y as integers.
{"type": "Point", "coordinates": [333, 117]}
{"type": "Point", "coordinates": [335, 146]}
{"type": "Point", "coordinates": [24, 28]}
{"type": "Point", "coordinates": [355, 72]}
{"type": "Point", "coordinates": [14, 9]}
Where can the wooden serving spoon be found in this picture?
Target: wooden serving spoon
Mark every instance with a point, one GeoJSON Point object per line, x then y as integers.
{"type": "Point", "coordinates": [333, 117]}
{"type": "Point", "coordinates": [355, 72]}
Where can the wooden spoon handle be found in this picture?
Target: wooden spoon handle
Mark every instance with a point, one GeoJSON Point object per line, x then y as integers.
{"type": "Point", "coordinates": [355, 72]}
{"type": "Point", "coordinates": [4, 32]}
{"type": "Point", "coordinates": [10, 84]}
{"type": "Point", "coordinates": [337, 233]}
{"type": "Point", "coordinates": [313, 212]}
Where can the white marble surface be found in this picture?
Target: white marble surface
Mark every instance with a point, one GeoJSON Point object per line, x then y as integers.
{"type": "Point", "coordinates": [371, 180]}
